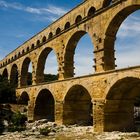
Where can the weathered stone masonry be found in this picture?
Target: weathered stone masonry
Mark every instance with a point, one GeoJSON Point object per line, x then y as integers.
{"type": "Point", "coordinates": [108, 95]}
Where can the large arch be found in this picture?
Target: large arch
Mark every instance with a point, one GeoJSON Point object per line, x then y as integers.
{"type": "Point", "coordinates": [70, 51]}
{"type": "Point", "coordinates": [44, 106]}
{"type": "Point", "coordinates": [14, 75]}
{"type": "Point", "coordinates": [121, 102]}
{"type": "Point", "coordinates": [26, 77]}
{"type": "Point", "coordinates": [40, 76]}
{"type": "Point", "coordinates": [77, 106]}
{"type": "Point", "coordinates": [111, 30]}
{"type": "Point", "coordinates": [24, 98]}
{"type": "Point", "coordinates": [5, 74]}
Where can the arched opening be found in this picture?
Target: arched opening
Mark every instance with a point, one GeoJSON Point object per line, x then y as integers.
{"type": "Point", "coordinates": [91, 11]}
{"type": "Point", "coordinates": [78, 19]}
{"type": "Point", "coordinates": [27, 49]}
{"type": "Point", "coordinates": [14, 76]}
{"type": "Point", "coordinates": [79, 55]}
{"type": "Point", "coordinates": [23, 52]}
{"type": "Point", "coordinates": [44, 106]}
{"type": "Point", "coordinates": [38, 43]}
{"type": "Point", "coordinates": [122, 39]}
{"type": "Point", "coordinates": [26, 72]}
{"type": "Point", "coordinates": [19, 54]}
{"type": "Point", "coordinates": [23, 99]}
{"type": "Point", "coordinates": [5, 74]}
{"type": "Point", "coordinates": [33, 46]}
{"type": "Point", "coordinates": [107, 3]}
{"type": "Point", "coordinates": [123, 105]}
{"type": "Point", "coordinates": [50, 35]}
{"type": "Point", "coordinates": [58, 31]}
{"type": "Point", "coordinates": [67, 25]}
{"type": "Point", "coordinates": [44, 39]}
{"type": "Point", "coordinates": [77, 107]}
{"type": "Point", "coordinates": [47, 66]}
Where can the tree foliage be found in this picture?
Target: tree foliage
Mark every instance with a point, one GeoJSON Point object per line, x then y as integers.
{"type": "Point", "coordinates": [7, 91]}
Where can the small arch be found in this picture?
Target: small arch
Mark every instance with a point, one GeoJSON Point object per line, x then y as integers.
{"type": "Point", "coordinates": [77, 106]}
{"type": "Point", "coordinates": [15, 57]}
{"type": "Point", "coordinates": [50, 35]}
{"type": "Point", "coordinates": [33, 46]}
{"type": "Point", "coordinates": [28, 49]}
{"type": "Point", "coordinates": [106, 3]}
{"type": "Point", "coordinates": [78, 19]}
{"type": "Point", "coordinates": [23, 52]}
{"type": "Point", "coordinates": [19, 54]}
{"type": "Point", "coordinates": [44, 39]}
{"type": "Point", "coordinates": [12, 58]}
{"type": "Point", "coordinates": [91, 11]}
{"type": "Point", "coordinates": [44, 106]}
{"type": "Point", "coordinates": [67, 25]}
{"type": "Point", "coordinates": [8, 60]}
{"type": "Point", "coordinates": [38, 42]}
{"type": "Point", "coordinates": [58, 31]}
{"type": "Point", "coordinates": [5, 74]}
{"type": "Point", "coordinates": [23, 99]}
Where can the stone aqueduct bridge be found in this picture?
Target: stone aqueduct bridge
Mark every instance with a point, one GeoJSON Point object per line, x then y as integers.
{"type": "Point", "coordinates": [109, 95]}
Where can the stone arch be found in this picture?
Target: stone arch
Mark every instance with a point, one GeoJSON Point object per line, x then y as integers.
{"type": "Point", "coordinates": [78, 19]}
{"type": "Point", "coordinates": [91, 11]}
{"type": "Point", "coordinates": [19, 54]}
{"type": "Point", "coordinates": [69, 53]}
{"type": "Point", "coordinates": [41, 64]}
{"type": "Point", "coordinates": [24, 72]}
{"type": "Point", "coordinates": [77, 106]}
{"type": "Point", "coordinates": [44, 39]}
{"type": "Point", "coordinates": [111, 30]}
{"type": "Point", "coordinates": [33, 46]}
{"type": "Point", "coordinates": [106, 3]}
{"type": "Point", "coordinates": [58, 30]}
{"type": "Point", "coordinates": [24, 98]}
{"type": "Point", "coordinates": [27, 50]}
{"type": "Point", "coordinates": [44, 106]}
{"type": "Point", "coordinates": [38, 43]}
{"type": "Point", "coordinates": [67, 25]}
{"type": "Point", "coordinates": [5, 74]}
{"type": "Point", "coordinates": [14, 75]}
{"type": "Point", "coordinates": [120, 104]}
{"type": "Point", "coordinates": [23, 52]}
{"type": "Point", "coordinates": [50, 35]}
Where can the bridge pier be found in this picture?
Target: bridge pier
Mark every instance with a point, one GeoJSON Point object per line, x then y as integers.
{"type": "Point", "coordinates": [98, 115]}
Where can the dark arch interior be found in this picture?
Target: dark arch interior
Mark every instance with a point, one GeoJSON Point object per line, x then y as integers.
{"type": "Point", "coordinates": [78, 19]}
{"type": "Point", "coordinates": [24, 98]}
{"type": "Point", "coordinates": [107, 3]}
{"type": "Point", "coordinates": [14, 76]}
{"type": "Point", "coordinates": [44, 106]}
{"type": "Point", "coordinates": [50, 35]}
{"type": "Point", "coordinates": [77, 107]}
{"type": "Point", "coordinates": [44, 39]}
{"type": "Point", "coordinates": [58, 31]}
{"type": "Point", "coordinates": [121, 102]}
{"type": "Point", "coordinates": [5, 74]}
{"type": "Point", "coordinates": [91, 11]}
{"type": "Point", "coordinates": [26, 76]}
{"type": "Point", "coordinates": [67, 25]}
{"type": "Point", "coordinates": [41, 76]}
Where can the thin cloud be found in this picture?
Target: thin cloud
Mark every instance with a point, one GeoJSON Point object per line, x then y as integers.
{"type": "Point", "coordinates": [50, 10]}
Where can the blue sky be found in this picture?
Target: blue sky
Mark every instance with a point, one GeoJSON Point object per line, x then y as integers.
{"type": "Point", "coordinates": [21, 19]}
